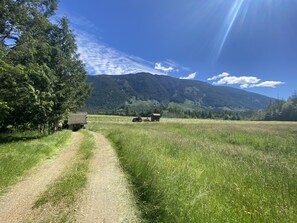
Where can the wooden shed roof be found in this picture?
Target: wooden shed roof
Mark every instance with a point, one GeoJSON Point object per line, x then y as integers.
{"type": "Point", "coordinates": [156, 114]}
{"type": "Point", "coordinates": [77, 118]}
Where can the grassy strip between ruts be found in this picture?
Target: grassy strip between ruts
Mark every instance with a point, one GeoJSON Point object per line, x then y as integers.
{"type": "Point", "coordinates": [210, 172]}
{"type": "Point", "coordinates": [19, 152]}
{"type": "Point", "coordinates": [57, 204]}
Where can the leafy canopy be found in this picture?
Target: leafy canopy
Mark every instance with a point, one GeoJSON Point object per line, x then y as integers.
{"type": "Point", "coordinates": [41, 76]}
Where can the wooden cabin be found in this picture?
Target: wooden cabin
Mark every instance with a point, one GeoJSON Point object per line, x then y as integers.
{"type": "Point", "coordinates": [155, 117]}
{"type": "Point", "coordinates": [77, 121]}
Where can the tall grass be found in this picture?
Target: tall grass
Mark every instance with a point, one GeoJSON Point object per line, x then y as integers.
{"type": "Point", "coordinates": [210, 171]}
{"type": "Point", "coordinates": [61, 196]}
{"type": "Point", "coordinates": [20, 152]}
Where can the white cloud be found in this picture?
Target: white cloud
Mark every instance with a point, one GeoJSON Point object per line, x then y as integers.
{"type": "Point", "coordinates": [245, 86]}
{"type": "Point", "coordinates": [271, 84]}
{"type": "Point", "coordinates": [189, 77]}
{"type": "Point", "coordinates": [99, 58]}
{"type": "Point", "coordinates": [243, 81]}
{"type": "Point", "coordinates": [224, 74]}
{"type": "Point", "coordinates": [158, 66]}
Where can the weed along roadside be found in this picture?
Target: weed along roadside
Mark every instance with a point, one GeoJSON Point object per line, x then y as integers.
{"type": "Point", "coordinates": [208, 171]}
{"type": "Point", "coordinates": [17, 202]}
{"type": "Point", "coordinates": [20, 152]}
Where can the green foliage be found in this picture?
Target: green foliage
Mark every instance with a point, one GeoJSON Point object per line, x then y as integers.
{"type": "Point", "coordinates": [41, 77]}
{"type": "Point", "coordinates": [20, 18]}
{"type": "Point", "coordinates": [28, 91]}
{"type": "Point", "coordinates": [209, 171]}
{"type": "Point", "coordinates": [4, 113]}
{"type": "Point", "coordinates": [19, 152]}
{"type": "Point", "coordinates": [282, 110]}
{"type": "Point", "coordinates": [70, 89]}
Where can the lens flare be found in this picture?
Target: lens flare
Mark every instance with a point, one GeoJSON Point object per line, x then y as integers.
{"type": "Point", "coordinates": [229, 22]}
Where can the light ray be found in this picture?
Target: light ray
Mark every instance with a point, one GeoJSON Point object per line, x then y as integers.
{"type": "Point", "coordinates": [231, 18]}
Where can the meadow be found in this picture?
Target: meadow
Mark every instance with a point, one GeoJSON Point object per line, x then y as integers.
{"type": "Point", "coordinates": [186, 170]}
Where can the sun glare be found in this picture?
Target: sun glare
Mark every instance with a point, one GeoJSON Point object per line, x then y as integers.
{"type": "Point", "coordinates": [229, 22]}
{"type": "Point", "coordinates": [238, 12]}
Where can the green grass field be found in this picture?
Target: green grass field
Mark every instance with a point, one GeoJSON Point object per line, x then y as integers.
{"type": "Point", "coordinates": [208, 171]}
{"type": "Point", "coordinates": [19, 152]}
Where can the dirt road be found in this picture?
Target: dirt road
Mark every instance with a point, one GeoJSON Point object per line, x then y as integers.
{"type": "Point", "coordinates": [107, 197]}
{"type": "Point", "coordinates": [16, 204]}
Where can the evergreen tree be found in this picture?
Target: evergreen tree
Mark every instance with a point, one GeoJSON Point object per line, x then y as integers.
{"type": "Point", "coordinates": [41, 77]}
{"type": "Point", "coordinates": [282, 110]}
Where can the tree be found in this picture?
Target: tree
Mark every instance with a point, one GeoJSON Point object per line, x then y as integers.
{"type": "Point", "coordinates": [282, 110]}
{"type": "Point", "coordinates": [42, 78]}
{"type": "Point", "coordinates": [70, 87]}
{"type": "Point", "coordinates": [21, 17]}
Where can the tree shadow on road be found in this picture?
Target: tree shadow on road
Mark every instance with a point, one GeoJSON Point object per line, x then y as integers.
{"type": "Point", "coordinates": [20, 136]}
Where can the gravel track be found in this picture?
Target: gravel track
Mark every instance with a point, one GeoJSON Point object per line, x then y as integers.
{"type": "Point", "coordinates": [16, 204]}
{"type": "Point", "coordinates": [107, 197]}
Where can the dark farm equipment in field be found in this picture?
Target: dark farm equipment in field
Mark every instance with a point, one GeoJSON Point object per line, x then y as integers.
{"type": "Point", "coordinates": [153, 118]}
{"type": "Point", "coordinates": [137, 119]}
{"type": "Point", "coordinates": [77, 121]}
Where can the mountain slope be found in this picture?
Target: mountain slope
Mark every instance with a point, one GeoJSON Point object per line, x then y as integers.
{"type": "Point", "coordinates": [119, 92]}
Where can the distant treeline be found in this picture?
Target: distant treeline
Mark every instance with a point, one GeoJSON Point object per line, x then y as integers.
{"type": "Point", "coordinates": [173, 112]}
{"type": "Point", "coordinates": [178, 113]}
{"type": "Point", "coordinates": [277, 110]}
{"type": "Point", "coordinates": [41, 77]}
{"type": "Point", "coordinates": [281, 110]}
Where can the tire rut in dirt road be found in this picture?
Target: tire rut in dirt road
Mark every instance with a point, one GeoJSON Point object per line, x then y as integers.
{"type": "Point", "coordinates": [107, 197]}
{"type": "Point", "coordinates": [17, 203]}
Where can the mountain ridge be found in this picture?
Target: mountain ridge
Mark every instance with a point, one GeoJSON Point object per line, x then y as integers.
{"type": "Point", "coordinates": [119, 92]}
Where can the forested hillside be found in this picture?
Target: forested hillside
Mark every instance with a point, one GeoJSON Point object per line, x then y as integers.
{"type": "Point", "coordinates": [142, 92]}
{"type": "Point", "coordinates": [41, 77]}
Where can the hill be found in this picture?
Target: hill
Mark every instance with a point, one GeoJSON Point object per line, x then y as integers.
{"type": "Point", "coordinates": [144, 91]}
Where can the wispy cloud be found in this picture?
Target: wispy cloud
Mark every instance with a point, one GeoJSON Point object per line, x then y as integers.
{"type": "Point", "coordinates": [189, 77]}
{"type": "Point", "coordinates": [78, 22]}
{"type": "Point", "coordinates": [176, 65]}
{"type": "Point", "coordinates": [243, 81]}
{"type": "Point", "coordinates": [99, 58]}
{"type": "Point", "coordinates": [159, 66]}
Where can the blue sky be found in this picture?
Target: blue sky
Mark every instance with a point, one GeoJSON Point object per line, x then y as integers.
{"type": "Point", "coordinates": [248, 44]}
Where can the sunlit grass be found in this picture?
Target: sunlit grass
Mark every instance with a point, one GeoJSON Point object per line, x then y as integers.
{"type": "Point", "coordinates": [209, 171]}
{"type": "Point", "coordinates": [109, 118]}
{"type": "Point", "coordinates": [19, 152]}
{"type": "Point", "coordinates": [113, 119]}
